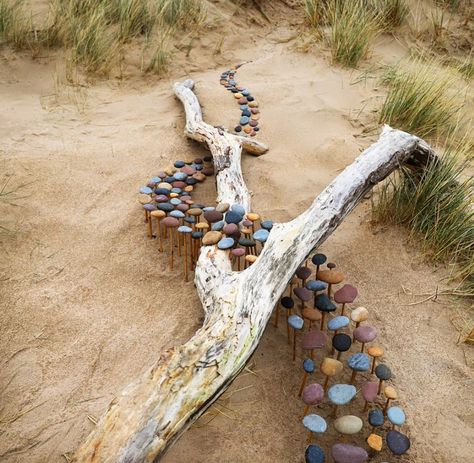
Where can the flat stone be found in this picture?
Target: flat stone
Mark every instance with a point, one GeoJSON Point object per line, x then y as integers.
{"type": "Point", "coordinates": [331, 367]}
{"type": "Point", "coordinates": [185, 229]}
{"type": "Point", "coordinates": [359, 362]}
{"type": "Point", "coordinates": [162, 191]}
{"type": "Point", "coordinates": [365, 333]}
{"type": "Point", "coordinates": [376, 417]}
{"type": "Point", "coordinates": [238, 209]}
{"type": "Point", "coordinates": [179, 184]}
{"type": "Point", "coordinates": [191, 181]}
{"type": "Point", "coordinates": [230, 229]}
{"type": "Point", "coordinates": [361, 314]}
{"type": "Point", "coordinates": [208, 171]}
{"type": "Point", "coordinates": [233, 217]}
{"type": "Point", "coordinates": [175, 201]}
{"type": "Point", "coordinates": [218, 226]}
{"type": "Point", "coordinates": [311, 314]}
{"type": "Point", "coordinates": [208, 209]}
{"type": "Point", "coordinates": [238, 252]}
{"type": "Point", "coordinates": [167, 207]}
{"type": "Point", "coordinates": [247, 243]}
{"type": "Point", "coordinates": [179, 164]}
{"type": "Point", "coordinates": [213, 216]}
{"type": "Point", "coordinates": [246, 113]}
{"type": "Point", "coordinates": [308, 365]}
{"type": "Point", "coordinates": [315, 423]}
{"type": "Point", "coordinates": [341, 394]}
{"type": "Point", "coordinates": [390, 393]}
{"type": "Point", "coordinates": [383, 372]}
{"type": "Point", "coordinates": [323, 303]}
{"type": "Point", "coordinates": [346, 294]}
{"type": "Point", "coordinates": [145, 190]}
{"type": "Point", "coordinates": [238, 128]}
{"type": "Point", "coordinates": [287, 302]}
{"type": "Point", "coordinates": [369, 391]}
{"type": "Point", "coordinates": [316, 285]}
{"type": "Point", "coordinates": [195, 211]}
{"type": "Point", "coordinates": [396, 416]}
{"type": "Point", "coordinates": [314, 340]}
{"type": "Point", "coordinates": [295, 322]}
{"type": "Point", "coordinates": [261, 235]}
{"type": "Point", "coordinates": [177, 214]}
{"type": "Point", "coordinates": [253, 104]}
{"type": "Point", "coordinates": [158, 214]}
{"type": "Point", "coordinates": [222, 207]}
{"type": "Point", "coordinates": [302, 294]}
{"type": "Point", "coordinates": [313, 394]}
{"type": "Point", "coordinates": [314, 454]}
{"type": "Point", "coordinates": [303, 273]}
{"type": "Point", "coordinates": [341, 342]}
{"type": "Point", "coordinates": [161, 198]}
{"type": "Point", "coordinates": [211, 238]}
{"type": "Point", "coordinates": [375, 442]}
{"type": "Point", "coordinates": [375, 351]}
{"type": "Point", "coordinates": [170, 222]}
{"type": "Point", "coordinates": [242, 101]}
{"type": "Point", "coordinates": [238, 94]}
{"type": "Point", "coordinates": [225, 243]}
{"type": "Point", "coordinates": [338, 323]}
{"type": "Point", "coordinates": [188, 170]}
{"type": "Point", "coordinates": [200, 176]}
{"type": "Point", "coordinates": [250, 98]}
{"type": "Point", "coordinates": [397, 442]}
{"type": "Point", "coordinates": [182, 207]}
{"type": "Point", "coordinates": [244, 107]}
{"type": "Point", "coordinates": [347, 453]}
{"type": "Point", "coordinates": [348, 424]}
{"type": "Point", "coordinates": [244, 120]}
{"type": "Point", "coordinates": [330, 276]}
{"type": "Point", "coordinates": [253, 123]}
{"type": "Point", "coordinates": [145, 199]}
{"type": "Point", "coordinates": [267, 224]}
{"type": "Point", "coordinates": [318, 259]}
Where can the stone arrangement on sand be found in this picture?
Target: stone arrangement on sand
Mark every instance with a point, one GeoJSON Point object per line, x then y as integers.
{"type": "Point", "coordinates": [250, 114]}
{"type": "Point", "coordinates": [359, 376]}
{"type": "Point", "coordinates": [335, 339]}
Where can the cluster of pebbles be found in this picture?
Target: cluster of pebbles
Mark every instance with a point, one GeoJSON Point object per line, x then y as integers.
{"type": "Point", "coordinates": [172, 215]}
{"type": "Point", "coordinates": [250, 114]}
{"type": "Point", "coordinates": [345, 341]}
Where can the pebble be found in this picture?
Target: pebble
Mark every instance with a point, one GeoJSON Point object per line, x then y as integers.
{"type": "Point", "coordinates": [376, 417]}
{"type": "Point", "coordinates": [238, 128]}
{"type": "Point", "coordinates": [244, 120]}
{"type": "Point", "coordinates": [323, 303]}
{"type": "Point", "coordinates": [348, 424]}
{"type": "Point", "coordinates": [287, 302]}
{"type": "Point", "coordinates": [338, 323]}
{"type": "Point", "coordinates": [383, 372]}
{"type": "Point", "coordinates": [315, 423]}
{"type": "Point", "coordinates": [342, 342]}
{"type": "Point", "coordinates": [238, 95]}
{"type": "Point", "coordinates": [253, 123]}
{"type": "Point", "coordinates": [180, 176]}
{"type": "Point", "coordinates": [341, 394]}
{"type": "Point", "coordinates": [295, 322]}
{"type": "Point", "coordinates": [146, 190]}
{"type": "Point", "coordinates": [212, 237]}
{"type": "Point", "coordinates": [303, 294]}
{"type": "Point", "coordinates": [222, 207]}
{"type": "Point", "coordinates": [314, 454]}
{"type": "Point", "coordinates": [316, 285]}
{"type": "Point", "coordinates": [225, 243]}
{"type": "Point", "coordinates": [246, 113]}
{"type": "Point", "coordinates": [248, 129]}
{"type": "Point", "coordinates": [375, 442]}
{"type": "Point", "coordinates": [396, 416]}
{"type": "Point", "coordinates": [254, 110]}
{"type": "Point", "coordinates": [185, 229]}
{"type": "Point", "coordinates": [308, 365]}
{"type": "Point", "coordinates": [242, 101]}
{"type": "Point", "coordinates": [179, 164]}
{"type": "Point", "coordinates": [331, 367]}
{"type": "Point", "coordinates": [330, 276]}
{"type": "Point", "coordinates": [213, 216]}
{"type": "Point", "coordinates": [318, 259]}
{"type": "Point", "coordinates": [313, 394]}
{"type": "Point", "coordinates": [161, 198]}
{"type": "Point", "coordinates": [267, 224]}
{"type": "Point", "coordinates": [365, 333]}
{"type": "Point", "coordinates": [359, 362]}
{"type": "Point", "coordinates": [359, 315]}
{"type": "Point", "coordinates": [346, 294]}
{"type": "Point", "coordinates": [370, 391]}
{"type": "Point", "coordinates": [347, 453]}
{"type": "Point", "coordinates": [162, 191]}
{"type": "Point", "coordinates": [244, 107]}
{"type": "Point", "coordinates": [261, 235]}
{"type": "Point", "coordinates": [218, 226]}
{"type": "Point", "coordinates": [397, 442]}
{"type": "Point", "coordinates": [314, 340]}
{"type": "Point", "coordinates": [177, 214]}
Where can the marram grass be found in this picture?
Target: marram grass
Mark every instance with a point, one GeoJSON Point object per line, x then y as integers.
{"type": "Point", "coordinates": [421, 100]}
{"type": "Point", "coordinates": [437, 206]}
{"type": "Point", "coordinates": [15, 24]}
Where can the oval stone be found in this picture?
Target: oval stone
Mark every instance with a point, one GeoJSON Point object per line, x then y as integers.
{"type": "Point", "coordinates": [346, 294]}
{"type": "Point", "coordinates": [303, 273]}
{"type": "Point", "coordinates": [295, 322]}
{"type": "Point", "coordinates": [316, 285]}
{"type": "Point", "coordinates": [365, 333]}
{"type": "Point", "coordinates": [348, 424]}
{"type": "Point", "coordinates": [359, 362]}
{"type": "Point", "coordinates": [177, 214]}
{"type": "Point", "coordinates": [313, 394]}
{"type": "Point", "coordinates": [323, 303]}
{"type": "Point", "coordinates": [244, 120]}
{"type": "Point", "coordinates": [359, 315]}
{"type": "Point", "coordinates": [218, 226]}
{"type": "Point", "coordinates": [238, 209]}
{"type": "Point", "coordinates": [383, 372]}
{"type": "Point", "coordinates": [161, 199]}
{"type": "Point", "coordinates": [341, 342]}
{"type": "Point", "coordinates": [267, 224]}
{"type": "Point", "coordinates": [238, 252]}
{"type": "Point", "coordinates": [167, 207]}
{"type": "Point", "coordinates": [261, 235]}
{"type": "Point", "coordinates": [315, 423]}
{"type": "Point", "coordinates": [331, 367]}
{"type": "Point", "coordinates": [390, 393]}
{"type": "Point", "coordinates": [287, 302]}
{"type": "Point", "coordinates": [397, 442]}
{"type": "Point", "coordinates": [211, 238]}
{"type": "Point", "coordinates": [213, 216]}
{"type": "Point", "coordinates": [376, 417]}
{"type": "Point", "coordinates": [302, 294]}
{"type": "Point", "coordinates": [146, 190]}
{"type": "Point", "coordinates": [396, 416]}
{"type": "Point", "coordinates": [314, 340]}
{"type": "Point", "coordinates": [308, 365]}
{"type": "Point", "coordinates": [185, 229]}
{"type": "Point", "coordinates": [233, 217]}
{"type": "Point", "coordinates": [341, 394]}
{"type": "Point", "coordinates": [225, 243]}
{"type": "Point", "coordinates": [230, 228]}
{"type": "Point", "coordinates": [347, 453]}
{"type": "Point", "coordinates": [338, 323]}
{"type": "Point", "coordinates": [370, 391]}
{"type": "Point", "coordinates": [222, 207]}
{"type": "Point", "coordinates": [318, 259]}
{"type": "Point", "coordinates": [314, 454]}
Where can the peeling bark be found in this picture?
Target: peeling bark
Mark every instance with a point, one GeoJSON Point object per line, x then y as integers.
{"type": "Point", "coordinates": [154, 410]}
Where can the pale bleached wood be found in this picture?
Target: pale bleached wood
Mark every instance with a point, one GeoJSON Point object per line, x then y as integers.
{"type": "Point", "coordinates": [151, 413]}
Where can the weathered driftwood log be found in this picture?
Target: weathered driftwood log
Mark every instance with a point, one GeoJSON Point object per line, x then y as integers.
{"type": "Point", "coordinates": [158, 406]}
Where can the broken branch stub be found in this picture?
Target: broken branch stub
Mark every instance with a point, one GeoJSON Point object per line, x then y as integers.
{"type": "Point", "coordinates": [153, 411]}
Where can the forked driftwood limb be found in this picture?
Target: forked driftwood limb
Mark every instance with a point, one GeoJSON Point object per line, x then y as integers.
{"type": "Point", "coordinates": [152, 412]}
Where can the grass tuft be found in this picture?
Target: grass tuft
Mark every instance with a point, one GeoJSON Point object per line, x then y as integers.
{"type": "Point", "coordinates": [421, 99]}
{"type": "Point", "coordinates": [315, 12]}
{"type": "Point", "coordinates": [15, 24]}
{"type": "Point", "coordinates": [181, 13]}
{"type": "Point", "coordinates": [353, 27]}
{"type": "Point", "coordinates": [392, 13]}
{"type": "Point", "coordinates": [437, 206]}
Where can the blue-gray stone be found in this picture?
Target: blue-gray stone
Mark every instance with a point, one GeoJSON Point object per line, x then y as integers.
{"type": "Point", "coordinates": [359, 362]}
{"type": "Point", "coordinates": [191, 181]}
{"type": "Point", "coordinates": [245, 92]}
{"type": "Point", "coordinates": [180, 176]}
{"type": "Point", "coordinates": [169, 179]}
{"type": "Point", "coordinates": [314, 454]}
{"type": "Point", "coordinates": [196, 235]}
{"type": "Point", "coordinates": [383, 372]}
{"type": "Point", "coordinates": [397, 442]}
{"type": "Point", "coordinates": [396, 416]}
{"type": "Point", "coordinates": [316, 285]}
{"type": "Point", "coordinates": [198, 206]}
{"type": "Point", "coordinates": [232, 82]}
{"type": "Point", "coordinates": [323, 303]}
{"type": "Point", "coordinates": [208, 209]}
{"type": "Point", "coordinates": [267, 224]}
{"type": "Point", "coordinates": [244, 107]}
{"type": "Point", "coordinates": [261, 235]}
{"type": "Point", "coordinates": [197, 167]}
{"type": "Point", "coordinates": [308, 365]}
{"type": "Point", "coordinates": [149, 207]}
{"type": "Point", "coordinates": [338, 322]}
{"type": "Point", "coordinates": [315, 423]}
{"type": "Point", "coordinates": [341, 394]}
{"type": "Point", "coordinates": [233, 217]}
{"type": "Point", "coordinates": [177, 214]}
{"type": "Point", "coordinates": [244, 120]}
{"type": "Point", "coordinates": [167, 207]}
{"type": "Point", "coordinates": [250, 98]}
{"type": "Point", "coordinates": [190, 219]}
{"type": "Point", "coordinates": [318, 259]}
{"type": "Point", "coordinates": [178, 164]}
{"type": "Point", "coordinates": [175, 201]}
{"type": "Point", "coordinates": [295, 322]}
{"type": "Point", "coordinates": [238, 209]}
{"type": "Point", "coordinates": [225, 243]}
{"type": "Point", "coordinates": [176, 190]}
{"type": "Point", "coordinates": [246, 113]}
{"type": "Point", "coordinates": [376, 417]}
{"type": "Point", "coordinates": [185, 229]}
{"type": "Point", "coordinates": [162, 191]}
{"type": "Point", "coordinates": [155, 179]}
{"type": "Point", "coordinates": [146, 190]}
{"type": "Point", "coordinates": [218, 226]}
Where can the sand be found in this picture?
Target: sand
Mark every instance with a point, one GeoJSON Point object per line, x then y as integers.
{"type": "Point", "coordinates": [88, 302]}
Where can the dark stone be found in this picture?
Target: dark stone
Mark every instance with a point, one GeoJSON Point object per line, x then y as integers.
{"type": "Point", "coordinates": [162, 191]}
{"type": "Point", "coordinates": [250, 98]}
{"type": "Point", "coordinates": [331, 265]}
{"type": "Point", "coordinates": [208, 171]}
{"type": "Point", "coordinates": [247, 243]}
{"type": "Point", "coordinates": [244, 120]}
{"type": "Point", "coordinates": [267, 224]}
{"type": "Point", "coordinates": [198, 161]}
{"type": "Point", "coordinates": [303, 273]}
{"type": "Point", "coordinates": [376, 417]}
{"type": "Point", "coordinates": [197, 235]}
{"type": "Point", "coordinates": [383, 372]}
{"type": "Point", "coordinates": [170, 179]}
{"type": "Point", "coordinates": [287, 302]}
{"type": "Point", "coordinates": [318, 259]}
{"type": "Point", "coordinates": [213, 216]}
{"type": "Point", "coordinates": [314, 454]}
{"type": "Point", "coordinates": [303, 294]}
{"type": "Point", "coordinates": [230, 229]}
{"type": "Point", "coordinates": [342, 342]}
{"type": "Point", "coordinates": [256, 129]}
{"type": "Point", "coordinates": [191, 181]}
{"type": "Point", "coordinates": [233, 217]}
{"type": "Point", "coordinates": [323, 303]}
{"type": "Point", "coordinates": [246, 113]}
{"type": "Point", "coordinates": [190, 219]}
{"type": "Point", "coordinates": [397, 442]}
{"type": "Point", "coordinates": [179, 164]}
{"type": "Point", "coordinates": [238, 128]}
{"type": "Point", "coordinates": [167, 207]}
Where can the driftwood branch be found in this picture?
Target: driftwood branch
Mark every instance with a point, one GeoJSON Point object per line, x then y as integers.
{"type": "Point", "coordinates": [152, 412]}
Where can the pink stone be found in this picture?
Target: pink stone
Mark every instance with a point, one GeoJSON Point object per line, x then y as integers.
{"type": "Point", "coordinates": [365, 333]}
{"type": "Point", "coordinates": [313, 394]}
{"type": "Point", "coordinates": [314, 340]}
{"type": "Point", "coordinates": [369, 391]}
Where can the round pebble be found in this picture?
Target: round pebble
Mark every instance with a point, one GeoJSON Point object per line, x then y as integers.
{"type": "Point", "coordinates": [314, 454]}
{"type": "Point", "coordinates": [341, 394]}
{"type": "Point", "coordinates": [313, 394]}
{"type": "Point", "coordinates": [359, 362]}
{"type": "Point", "coordinates": [308, 365]}
{"type": "Point", "coordinates": [316, 285]}
{"type": "Point", "coordinates": [233, 217]}
{"type": "Point", "coordinates": [338, 323]}
{"type": "Point", "coordinates": [348, 424]}
{"type": "Point", "coordinates": [376, 417]}
{"type": "Point", "coordinates": [342, 342]}
{"type": "Point", "coordinates": [225, 243]}
{"type": "Point", "coordinates": [238, 209]}
{"type": "Point", "coordinates": [146, 190]}
{"type": "Point", "coordinates": [315, 423]}
{"type": "Point", "coordinates": [261, 235]}
{"type": "Point", "coordinates": [396, 416]}
{"type": "Point", "coordinates": [365, 333]}
{"type": "Point", "coordinates": [238, 128]}
{"type": "Point", "coordinates": [397, 442]}
{"type": "Point", "coordinates": [383, 372]}
{"type": "Point", "coordinates": [323, 303]}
